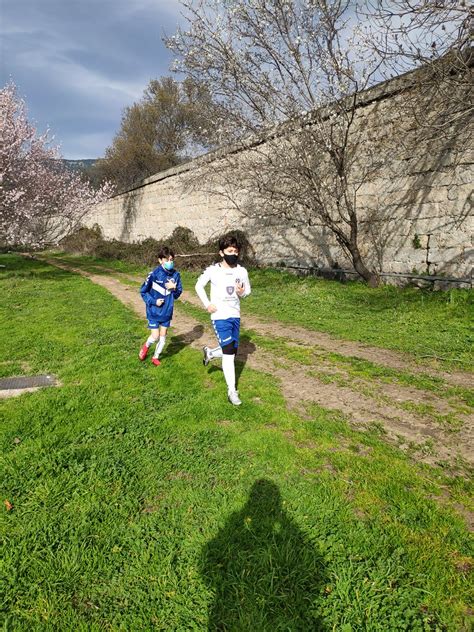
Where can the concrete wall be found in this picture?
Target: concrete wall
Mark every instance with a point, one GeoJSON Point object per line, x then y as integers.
{"type": "Point", "coordinates": [416, 211]}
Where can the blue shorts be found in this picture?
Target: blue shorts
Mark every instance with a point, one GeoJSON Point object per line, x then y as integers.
{"type": "Point", "coordinates": [227, 331]}
{"type": "Point", "coordinates": [153, 324]}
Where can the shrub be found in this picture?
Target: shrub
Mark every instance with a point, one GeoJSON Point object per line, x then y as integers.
{"type": "Point", "coordinates": [83, 241]}
{"type": "Point", "coordinates": [182, 241]}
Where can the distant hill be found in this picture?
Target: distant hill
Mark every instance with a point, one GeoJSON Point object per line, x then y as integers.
{"type": "Point", "coordinates": [79, 165]}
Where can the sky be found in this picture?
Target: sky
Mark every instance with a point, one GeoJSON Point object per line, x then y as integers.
{"type": "Point", "coordinates": [79, 63]}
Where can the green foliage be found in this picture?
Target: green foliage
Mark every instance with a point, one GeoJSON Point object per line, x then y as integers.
{"type": "Point", "coordinates": [83, 241]}
{"type": "Point", "coordinates": [142, 500]}
{"type": "Point", "coordinates": [184, 240]}
{"type": "Point", "coordinates": [158, 132]}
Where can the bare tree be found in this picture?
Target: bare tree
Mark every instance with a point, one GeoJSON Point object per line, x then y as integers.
{"type": "Point", "coordinates": [288, 77]}
{"type": "Point", "coordinates": [435, 36]}
{"type": "Point", "coordinates": [430, 42]}
{"type": "Point", "coordinates": [406, 34]}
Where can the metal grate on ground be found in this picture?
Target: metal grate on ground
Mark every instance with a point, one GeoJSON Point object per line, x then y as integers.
{"type": "Point", "coordinates": [26, 381]}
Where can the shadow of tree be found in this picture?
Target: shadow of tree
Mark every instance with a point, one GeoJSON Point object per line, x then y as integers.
{"type": "Point", "coordinates": [131, 203]}
{"type": "Point", "coordinates": [263, 571]}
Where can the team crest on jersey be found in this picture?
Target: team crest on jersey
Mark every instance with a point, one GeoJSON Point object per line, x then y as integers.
{"type": "Point", "coordinates": [230, 289]}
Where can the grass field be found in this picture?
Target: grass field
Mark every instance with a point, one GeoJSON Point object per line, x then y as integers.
{"type": "Point", "coordinates": [431, 326]}
{"type": "Point", "coordinates": [141, 500]}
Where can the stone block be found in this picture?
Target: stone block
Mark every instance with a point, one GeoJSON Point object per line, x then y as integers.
{"type": "Point", "coordinates": [440, 255]}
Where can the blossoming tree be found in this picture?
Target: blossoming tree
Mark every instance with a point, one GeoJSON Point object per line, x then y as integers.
{"type": "Point", "coordinates": [41, 201]}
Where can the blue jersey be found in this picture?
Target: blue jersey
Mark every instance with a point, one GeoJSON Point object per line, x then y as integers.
{"type": "Point", "coordinates": [154, 288]}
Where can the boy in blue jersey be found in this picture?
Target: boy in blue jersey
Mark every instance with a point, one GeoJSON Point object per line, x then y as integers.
{"type": "Point", "coordinates": [229, 283]}
{"type": "Point", "coordinates": [159, 291]}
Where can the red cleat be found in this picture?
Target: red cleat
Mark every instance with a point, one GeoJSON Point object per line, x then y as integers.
{"type": "Point", "coordinates": [143, 352]}
{"type": "Point", "coordinates": [155, 361]}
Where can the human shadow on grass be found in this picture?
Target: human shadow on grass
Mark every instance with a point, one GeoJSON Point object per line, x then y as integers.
{"type": "Point", "coordinates": [246, 348]}
{"type": "Point", "coordinates": [262, 570]}
{"type": "Point", "coordinates": [177, 343]}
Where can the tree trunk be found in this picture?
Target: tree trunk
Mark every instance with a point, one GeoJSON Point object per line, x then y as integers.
{"type": "Point", "coordinates": [372, 278]}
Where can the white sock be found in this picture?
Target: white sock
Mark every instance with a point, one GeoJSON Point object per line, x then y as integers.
{"type": "Point", "coordinates": [159, 346]}
{"type": "Point", "coordinates": [228, 366]}
{"type": "Point", "coordinates": [215, 353]}
{"type": "Point", "coordinates": [150, 341]}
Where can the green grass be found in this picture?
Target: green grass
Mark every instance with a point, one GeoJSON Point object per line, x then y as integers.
{"type": "Point", "coordinates": [425, 324]}
{"type": "Point", "coordinates": [461, 399]}
{"type": "Point", "coordinates": [142, 500]}
{"type": "Point", "coordinates": [91, 262]}
{"type": "Point", "coordinates": [428, 325]}
{"type": "Point", "coordinates": [431, 326]}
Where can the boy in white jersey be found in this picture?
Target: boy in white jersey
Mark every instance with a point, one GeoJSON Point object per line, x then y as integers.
{"type": "Point", "coordinates": [229, 283]}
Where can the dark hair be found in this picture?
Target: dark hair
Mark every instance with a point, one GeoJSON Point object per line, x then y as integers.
{"type": "Point", "coordinates": [229, 240]}
{"type": "Point", "coordinates": [165, 252]}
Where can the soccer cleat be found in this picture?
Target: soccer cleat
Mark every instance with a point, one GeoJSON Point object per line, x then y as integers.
{"type": "Point", "coordinates": [233, 398]}
{"type": "Point", "coordinates": [143, 352]}
{"type": "Point", "coordinates": [155, 361]}
{"type": "Point", "coordinates": [205, 353]}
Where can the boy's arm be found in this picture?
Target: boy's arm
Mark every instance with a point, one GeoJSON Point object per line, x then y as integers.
{"type": "Point", "coordinates": [178, 290]}
{"type": "Point", "coordinates": [247, 288]}
{"type": "Point", "coordinates": [201, 283]}
{"type": "Point", "coordinates": [145, 288]}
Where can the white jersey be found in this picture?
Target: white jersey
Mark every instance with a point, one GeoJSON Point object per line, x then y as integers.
{"type": "Point", "coordinates": [223, 289]}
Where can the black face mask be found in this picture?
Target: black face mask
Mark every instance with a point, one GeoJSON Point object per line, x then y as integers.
{"type": "Point", "coordinates": [231, 259]}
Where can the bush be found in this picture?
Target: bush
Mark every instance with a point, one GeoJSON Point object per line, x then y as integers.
{"type": "Point", "coordinates": [83, 241]}
{"type": "Point", "coordinates": [182, 241]}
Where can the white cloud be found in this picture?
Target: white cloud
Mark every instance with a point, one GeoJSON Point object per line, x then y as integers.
{"type": "Point", "coordinates": [157, 7]}
{"type": "Point", "coordinates": [80, 80]}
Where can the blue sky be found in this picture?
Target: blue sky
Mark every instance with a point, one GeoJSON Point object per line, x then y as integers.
{"type": "Point", "coordinates": [79, 63]}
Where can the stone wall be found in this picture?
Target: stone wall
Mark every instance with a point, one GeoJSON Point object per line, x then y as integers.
{"type": "Point", "coordinates": [160, 204]}
{"type": "Point", "coordinates": [416, 211]}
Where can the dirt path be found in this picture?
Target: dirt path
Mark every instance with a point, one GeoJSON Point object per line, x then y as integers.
{"type": "Point", "coordinates": [324, 341]}
{"type": "Point", "coordinates": [366, 404]}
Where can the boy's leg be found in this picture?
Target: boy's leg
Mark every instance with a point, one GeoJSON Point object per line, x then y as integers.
{"type": "Point", "coordinates": [211, 354]}
{"type": "Point", "coordinates": [228, 366]}
{"type": "Point", "coordinates": [216, 352]}
{"type": "Point", "coordinates": [153, 337]}
{"type": "Point", "coordinates": [228, 336]}
{"type": "Point", "coordinates": [161, 341]}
